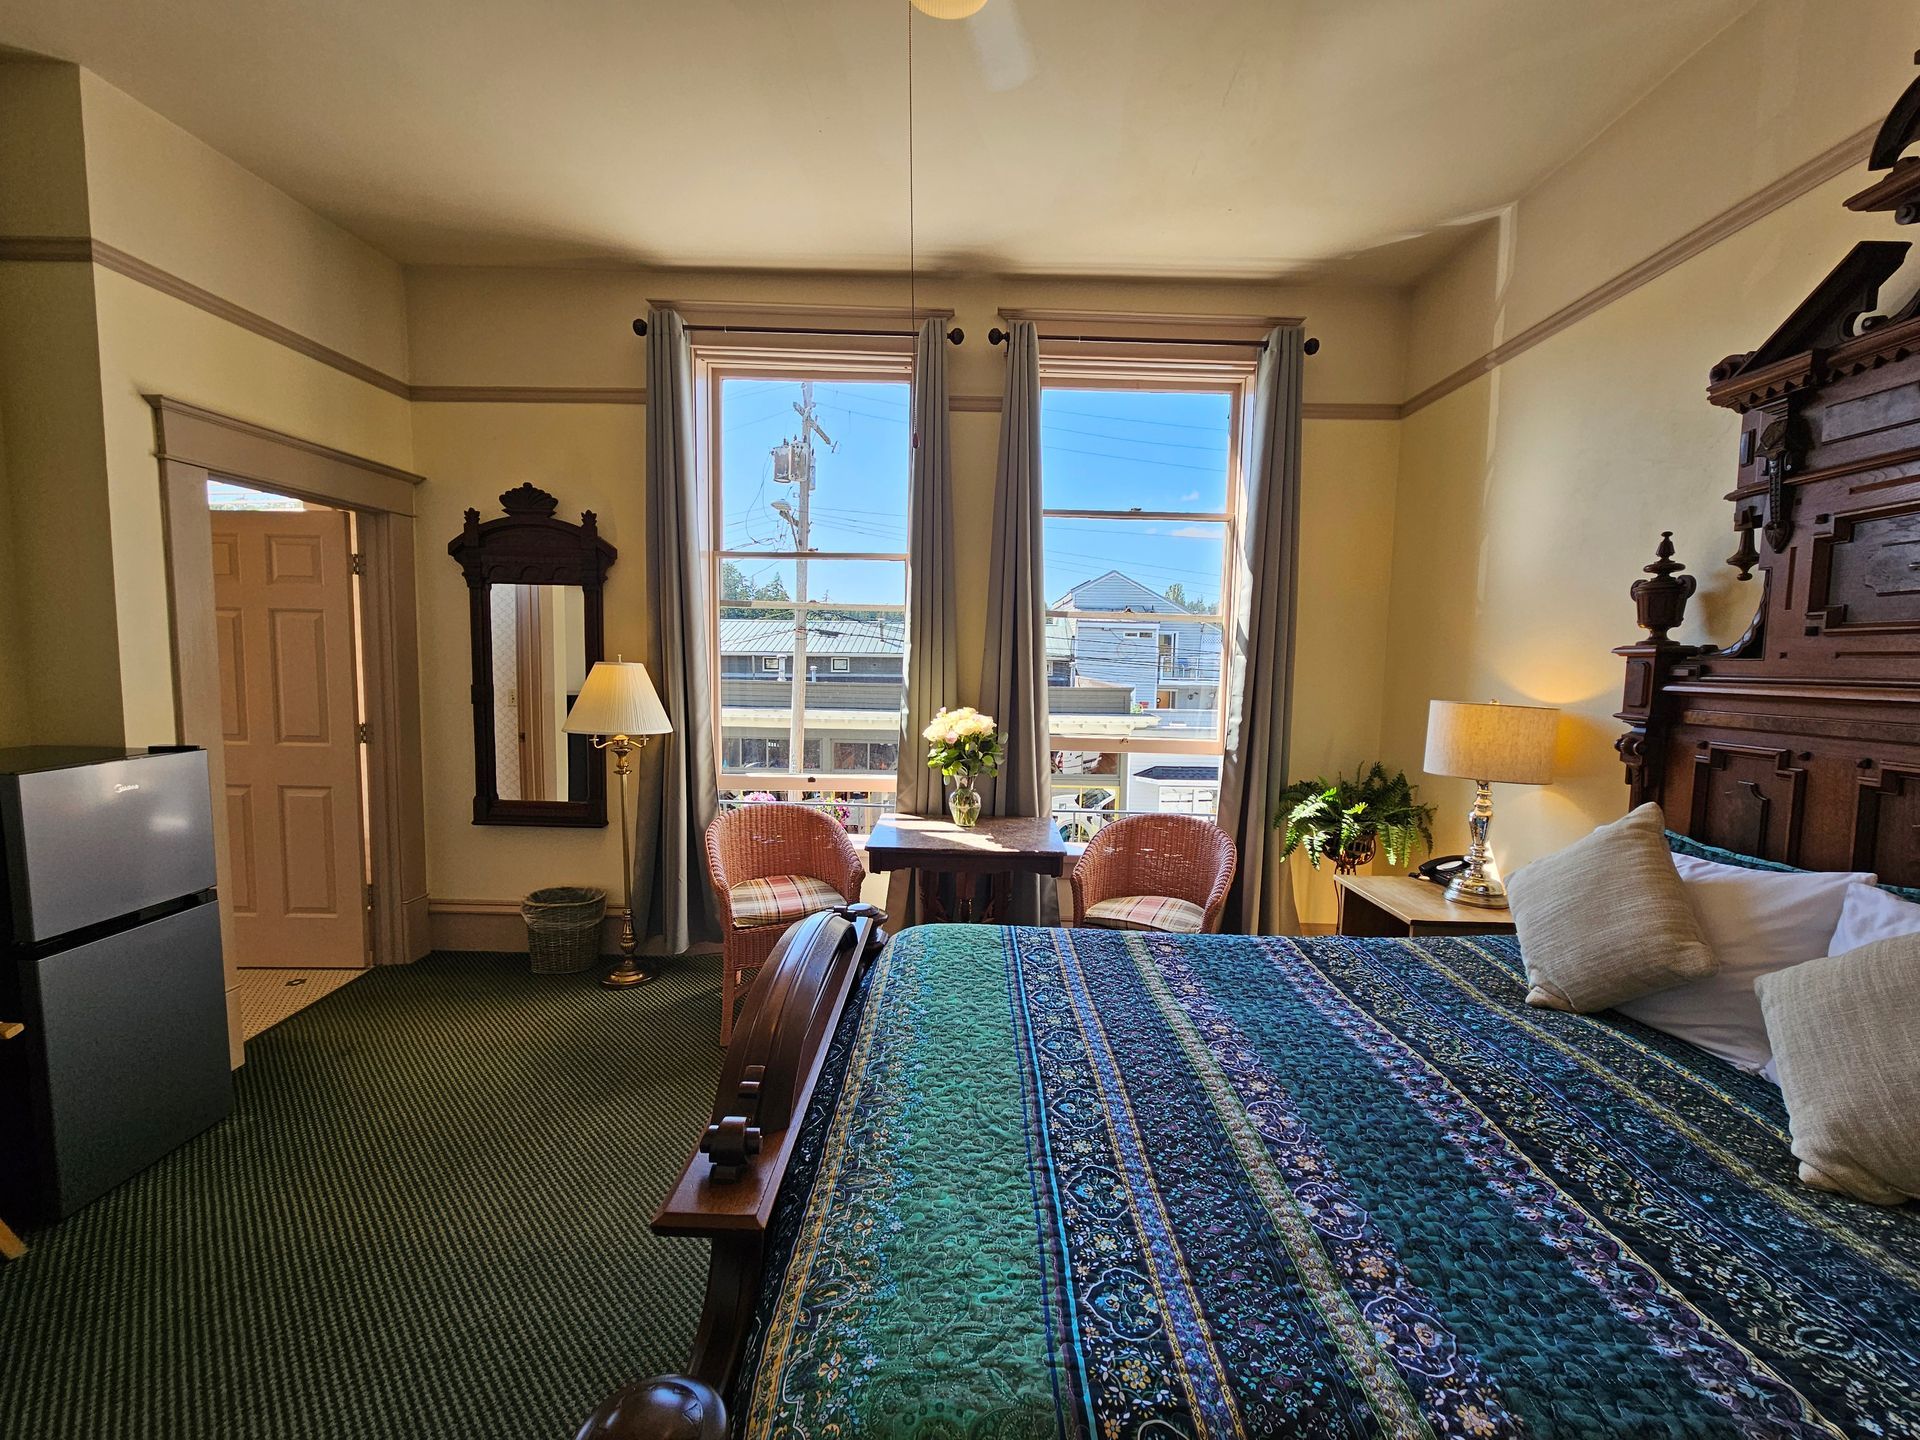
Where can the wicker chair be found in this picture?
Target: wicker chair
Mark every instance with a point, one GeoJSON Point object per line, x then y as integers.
{"type": "Point", "coordinates": [770, 865]}
{"type": "Point", "coordinates": [1155, 872]}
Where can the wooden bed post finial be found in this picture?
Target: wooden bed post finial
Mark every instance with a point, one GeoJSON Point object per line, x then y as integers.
{"type": "Point", "coordinates": [1662, 600]}
{"type": "Point", "coordinates": [667, 1407]}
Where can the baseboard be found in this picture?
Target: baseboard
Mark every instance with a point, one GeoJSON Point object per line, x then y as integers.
{"type": "Point", "coordinates": [496, 925]}
{"type": "Point", "coordinates": [415, 915]}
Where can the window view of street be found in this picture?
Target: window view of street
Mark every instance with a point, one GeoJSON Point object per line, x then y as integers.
{"type": "Point", "coordinates": [810, 589]}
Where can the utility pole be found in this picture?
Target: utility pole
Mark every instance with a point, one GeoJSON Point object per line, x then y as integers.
{"type": "Point", "coordinates": [793, 465]}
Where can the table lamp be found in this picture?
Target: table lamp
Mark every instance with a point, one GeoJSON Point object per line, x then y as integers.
{"type": "Point", "coordinates": [619, 707]}
{"type": "Point", "coordinates": [1483, 743]}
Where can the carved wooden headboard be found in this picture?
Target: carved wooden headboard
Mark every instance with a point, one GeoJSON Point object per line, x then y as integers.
{"type": "Point", "coordinates": [1800, 741]}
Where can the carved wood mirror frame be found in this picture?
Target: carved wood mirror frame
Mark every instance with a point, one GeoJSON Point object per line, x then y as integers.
{"type": "Point", "coordinates": [529, 546]}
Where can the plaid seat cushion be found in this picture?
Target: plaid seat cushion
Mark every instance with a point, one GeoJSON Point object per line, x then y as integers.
{"type": "Point", "coordinates": [780, 900]}
{"type": "Point", "coordinates": [1147, 912]}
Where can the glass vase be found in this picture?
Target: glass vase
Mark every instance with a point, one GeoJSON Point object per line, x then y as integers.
{"type": "Point", "coordinates": [964, 803]}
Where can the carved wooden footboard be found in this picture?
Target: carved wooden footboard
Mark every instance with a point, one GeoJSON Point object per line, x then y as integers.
{"type": "Point", "coordinates": [727, 1192]}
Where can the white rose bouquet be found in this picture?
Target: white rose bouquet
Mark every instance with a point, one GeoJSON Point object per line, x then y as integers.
{"type": "Point", "coordinates": [964, 743]}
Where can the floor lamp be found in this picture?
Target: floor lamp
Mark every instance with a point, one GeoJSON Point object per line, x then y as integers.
{"type": "Point", "coordinates": [619, 708]}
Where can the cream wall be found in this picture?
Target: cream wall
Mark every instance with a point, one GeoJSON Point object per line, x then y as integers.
{"type": "Point", "coordinates": [176, 203]}
{"type": "Point", "coordinates": [87, 618]}
{"type": "Point", "coordinates": [58, 591]}
{"type": "Point", "coordinates": [480, 327]}
{"type": "Point", "coordinates": [1786, 82]}
{"type": "Point", "coordinates": [1529, 500]}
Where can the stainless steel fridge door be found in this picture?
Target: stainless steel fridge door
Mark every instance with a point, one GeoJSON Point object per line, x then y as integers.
{"type": "Point", "coordinates": [133, 1028]}
{"type": "Point", "coordinates": [90, 843]}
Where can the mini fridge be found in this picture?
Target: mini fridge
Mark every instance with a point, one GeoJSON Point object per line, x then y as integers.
{"type": "Point", "coordinates": [111, 965]}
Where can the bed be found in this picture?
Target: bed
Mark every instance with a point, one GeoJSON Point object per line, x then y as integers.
{"type": "Point", "coordinates": [1009, 1182]}
{"type": "Point", "coordinates": [1098, 1183]}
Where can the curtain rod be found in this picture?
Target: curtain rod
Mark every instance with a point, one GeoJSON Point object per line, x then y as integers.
{"type": "Point", "coordinates": [997, 336]}
{"type": "Point", "coordinates": [955, 335]}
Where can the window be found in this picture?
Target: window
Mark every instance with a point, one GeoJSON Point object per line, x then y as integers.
{"type": "Point", "coordinates": [808, 466]}
{"type": "Point", "coordinates": [1140, 466]}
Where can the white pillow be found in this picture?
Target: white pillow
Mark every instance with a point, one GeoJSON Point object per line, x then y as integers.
{"type": "Point", "coordinates": [1757, 921]}
{"type": "Point", "coordinates": [1867, 914]}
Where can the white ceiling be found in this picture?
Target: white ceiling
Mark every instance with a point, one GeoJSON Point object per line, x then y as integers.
{"type": "Point", "coordinates": [1181, 137]}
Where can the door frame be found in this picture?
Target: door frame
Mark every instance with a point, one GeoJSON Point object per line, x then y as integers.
{"type": "Point", "coordinates": [192, 445]}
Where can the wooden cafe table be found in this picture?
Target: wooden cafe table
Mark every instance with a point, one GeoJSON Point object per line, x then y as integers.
{"type": "Point", "coordinates": [965, 874]}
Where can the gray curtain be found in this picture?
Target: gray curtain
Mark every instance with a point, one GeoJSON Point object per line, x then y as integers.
{"type": "Point", "coordinates": [676, 781]}
{"type": "Point", "coordinates": [1013, 676]}
{"type": "Point", "coordinates": [932, 652]}
{"type": "Point", "coordinates": [1260, 675]}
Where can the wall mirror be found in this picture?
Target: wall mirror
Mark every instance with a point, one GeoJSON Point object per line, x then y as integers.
{"type": "Point", "coordinates": [534, 589]}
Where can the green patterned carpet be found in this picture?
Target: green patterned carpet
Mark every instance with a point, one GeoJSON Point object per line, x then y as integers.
{"type": "Point", "coordinates": [425, 1218]}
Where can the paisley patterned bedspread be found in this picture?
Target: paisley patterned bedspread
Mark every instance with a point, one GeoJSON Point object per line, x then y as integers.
{"type": "Point", "coordinates": [1116, 1185]}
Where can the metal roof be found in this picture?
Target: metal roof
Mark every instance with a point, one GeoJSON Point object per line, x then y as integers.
{"type": "Point", "coordinates": [825, 636]}
{"type": "Point", "coordinates": [1187, 773]}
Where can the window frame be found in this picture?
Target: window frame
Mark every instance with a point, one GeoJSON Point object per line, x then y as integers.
{"type": "Point", "coordinates": [1161, 368]}
{"type": "Point", "coordinates": [714, 365]}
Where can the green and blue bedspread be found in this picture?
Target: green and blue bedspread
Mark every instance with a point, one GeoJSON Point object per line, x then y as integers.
{"type": "Point", "coordinates": [1115, 1185]}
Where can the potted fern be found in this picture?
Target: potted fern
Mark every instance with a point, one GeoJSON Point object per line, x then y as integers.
{"type": "Point", "coordinates": [1349, 819]}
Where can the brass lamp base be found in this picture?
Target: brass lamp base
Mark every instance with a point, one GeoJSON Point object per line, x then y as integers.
{"type": "Point", "coordinates": [627, 974]}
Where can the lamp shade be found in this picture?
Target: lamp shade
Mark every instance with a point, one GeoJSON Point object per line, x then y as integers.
{"type": "Point", "coordinates": [1507, 743]}
{"type": "Point", "coordinates": [618, 699]}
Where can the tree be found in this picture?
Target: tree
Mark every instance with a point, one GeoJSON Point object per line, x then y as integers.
{"type": "Point", "coordinates": [737, 587]}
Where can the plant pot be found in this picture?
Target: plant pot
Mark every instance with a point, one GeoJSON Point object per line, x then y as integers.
{"type": "Point", "coordinates": [1348, 862]}
{"type": "Point", "coordinates": [964, 803]}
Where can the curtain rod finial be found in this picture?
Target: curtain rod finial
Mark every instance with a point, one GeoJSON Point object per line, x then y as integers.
{"type": "Point", "coordinates": [1312, 347]}
{"type": "Point", "coordinates": [996, 336]}
{"type": "Point", "coordinates": [956, 335]}
{"type": "Point", "coordinates": [640, 327]}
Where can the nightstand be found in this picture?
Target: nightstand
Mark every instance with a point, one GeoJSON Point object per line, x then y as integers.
{"type": "Point", "coordinates": [1397, 905]}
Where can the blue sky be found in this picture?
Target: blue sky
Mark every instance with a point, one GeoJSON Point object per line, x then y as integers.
{"type": "Point", "coordinates": [1101, 450]}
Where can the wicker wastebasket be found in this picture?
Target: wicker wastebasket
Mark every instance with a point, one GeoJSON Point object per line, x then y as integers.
{"type": "Point", "coordinates": [563, 928]}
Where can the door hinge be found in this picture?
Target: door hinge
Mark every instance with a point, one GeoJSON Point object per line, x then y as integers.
{"type": "Point", "coordinates": [359, 566]}
{"type": "Point", "coordinates": [363, 733]}
{"type": "Point", "coordinates": [370, 897]}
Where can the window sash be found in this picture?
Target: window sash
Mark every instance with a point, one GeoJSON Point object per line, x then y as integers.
{"type": "Point", "coordinates": [1145, 371]}
{"type": "Point", "coordinates": [714, 366]}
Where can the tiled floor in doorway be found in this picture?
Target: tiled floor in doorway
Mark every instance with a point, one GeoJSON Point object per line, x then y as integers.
{"type": "Point", "coordinates": [269, 996]}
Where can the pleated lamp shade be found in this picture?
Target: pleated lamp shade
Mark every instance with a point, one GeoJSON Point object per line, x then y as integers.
{"type": "Point", "coordinates": [1511, 744]}
{"type": "Point", "coordinates": [618, 699]}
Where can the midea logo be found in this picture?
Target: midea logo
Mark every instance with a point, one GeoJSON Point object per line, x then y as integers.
{"type": "Point", "coordinates": [122, 789]}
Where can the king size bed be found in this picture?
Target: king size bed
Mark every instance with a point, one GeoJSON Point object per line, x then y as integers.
{"type": "Point", "coordinates": [1015, 1182]}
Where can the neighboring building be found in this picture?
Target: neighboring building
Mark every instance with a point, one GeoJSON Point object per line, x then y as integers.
{"type": "Point", "coordinates": [853, 689]}
{"type": "Point", "coordinates": [1106, 678]}
{"type": "Point", "coordinates": [1169, 664]}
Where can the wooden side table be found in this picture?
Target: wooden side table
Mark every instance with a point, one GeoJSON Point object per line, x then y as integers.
{"type": "Point", "coordinates": [979, 862]}
{"type": "Point", "coordinates": [1398, 905]}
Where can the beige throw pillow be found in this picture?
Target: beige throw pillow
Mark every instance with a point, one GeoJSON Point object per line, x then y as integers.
{"type": "Point", "coordinates": [1607, 919]}
{"type": "Point", "coordinates": [1845, 1033]}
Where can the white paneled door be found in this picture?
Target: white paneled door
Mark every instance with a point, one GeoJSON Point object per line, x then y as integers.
{"type": "Point", "coordinates": [283, 599]}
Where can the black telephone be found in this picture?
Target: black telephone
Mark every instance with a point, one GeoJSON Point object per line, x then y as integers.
{"type": "Point", "coordinates": [1441, 868]}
